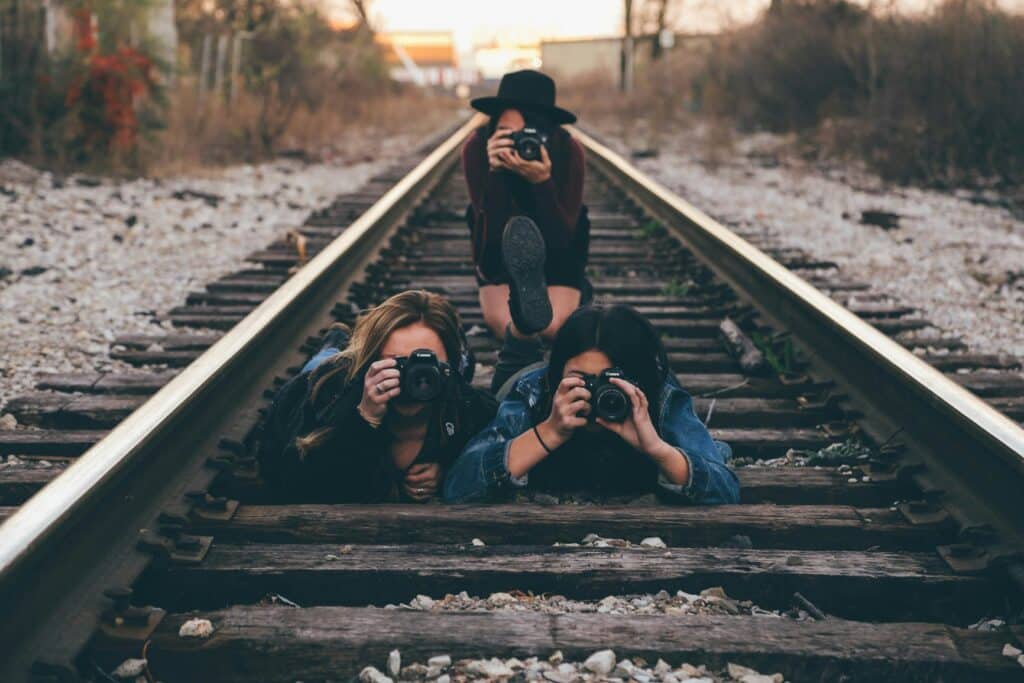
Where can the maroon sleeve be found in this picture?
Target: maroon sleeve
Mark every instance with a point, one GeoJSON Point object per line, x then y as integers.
{"type": "Point", "coordinates": [558, 209]}
{"type": "Point", "coordinates": [489, 196]}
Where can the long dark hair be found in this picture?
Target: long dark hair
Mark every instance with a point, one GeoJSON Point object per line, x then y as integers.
{"type": "Point", "coordinates": [626, 337]}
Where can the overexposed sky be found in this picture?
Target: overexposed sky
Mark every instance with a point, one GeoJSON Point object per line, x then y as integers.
{"type": "Point", "coordinates": [476, 22]}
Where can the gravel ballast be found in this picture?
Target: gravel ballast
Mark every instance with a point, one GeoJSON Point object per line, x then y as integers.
{"type": "Point", "coordinates": [959, 261]}
{"type": "Point", "coordinates": [81, 262]}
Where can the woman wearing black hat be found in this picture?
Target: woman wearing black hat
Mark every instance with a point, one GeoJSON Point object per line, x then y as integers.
{"type": "Point", "coordinates": [528, 224]}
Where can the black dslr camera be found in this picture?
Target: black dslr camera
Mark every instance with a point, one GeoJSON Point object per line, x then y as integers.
{"type": "Point", "coordinates": [422, 376]}
{"type": "Point", "coordinates": [528, 142]}
{"type": "Point", "coordinates": [607, 401]}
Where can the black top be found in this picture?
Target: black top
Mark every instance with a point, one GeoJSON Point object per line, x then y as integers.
{"type": "Point", "coordinates": [354, 464]}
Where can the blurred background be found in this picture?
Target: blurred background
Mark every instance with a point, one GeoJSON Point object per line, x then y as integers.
{"type": "Point", "coordinates": [921, 91]}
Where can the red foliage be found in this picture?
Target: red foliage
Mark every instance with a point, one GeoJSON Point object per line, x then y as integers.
{"type": "Point", "coordinates": [110, 82]}
{"type": "Point", "coordinates": [85, 38]}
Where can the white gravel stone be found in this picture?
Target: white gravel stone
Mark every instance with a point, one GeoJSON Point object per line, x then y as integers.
{"type": "Point", "coordinates": [960, 263]}
{"type": "Point", "coordinates": [394, 663]}
{"type": "Point", "coordinates": [196, 628]}
{"type": "Point", "coordinates": [653, 542]}
{"type": "Point", "coordinates": [107, 259]}
{"type": "Point", "coordinates": [373, 675]}
{"type": "Point", "coordinates": [601, 662]}
{"type": "Point", "coordinates": [489, 668]}
{"type": "Point", "coordinates": [1011, 651]}
{"type": "Point", "coordinates": [441, 661]}
{"type": "Point", "coordinates": [477, 542]}
{"type": "Point", "coordinates": [8, 421]}
{"type": "Point", "coordinates": [130, 669]}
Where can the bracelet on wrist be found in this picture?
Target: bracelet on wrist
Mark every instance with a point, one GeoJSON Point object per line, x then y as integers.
{"type": "Point", "coordinates": [368, 419]}
{"type": "Point", "coordinates": [536, 433]}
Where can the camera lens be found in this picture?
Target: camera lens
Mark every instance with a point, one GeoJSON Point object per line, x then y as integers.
{"type": "Point", "coordinates": [529, 151]}
{"type": "Point", "coordinates": [421, 383]}
{"type": "Point", "coordinates": [611, 404]}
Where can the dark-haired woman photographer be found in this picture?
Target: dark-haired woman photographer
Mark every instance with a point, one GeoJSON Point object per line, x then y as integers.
{"type": "Point", "coordinates": [529, 228]}
{"type": "Point", "coordinates": [342, 430]}
{"type": "Point", "coordinates": [543, 435]}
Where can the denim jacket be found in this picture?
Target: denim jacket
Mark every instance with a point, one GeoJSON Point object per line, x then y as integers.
{"type": "Point", "coordinates": [481, 472]}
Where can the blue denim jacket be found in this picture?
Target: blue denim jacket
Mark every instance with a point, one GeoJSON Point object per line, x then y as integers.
{"type": "Point", "coordinates": [481, 472]}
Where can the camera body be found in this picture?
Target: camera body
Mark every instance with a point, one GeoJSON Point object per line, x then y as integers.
{"type": "Point", "coordinates": [528, 142]}
{"type": "Point", "coordinates": [422, 377]}
{"type": "Point", "coordinates": [608, 401]}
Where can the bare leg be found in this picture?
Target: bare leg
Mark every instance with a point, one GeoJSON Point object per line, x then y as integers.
{"type": "Point", "coordinates": [564, 300]}
{"type": "Point", "coordinates": [494, 306]}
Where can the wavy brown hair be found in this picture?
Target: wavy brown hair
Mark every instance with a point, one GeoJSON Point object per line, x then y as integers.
{"type": "Point", "coordinates": [372, 330]}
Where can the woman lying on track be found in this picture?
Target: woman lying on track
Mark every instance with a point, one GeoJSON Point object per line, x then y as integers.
{"type": "Point", "coordinates": [606, 415]}
{"type": "Point", "coordinates": [380, 416]}
{"type": "Point", "coordinates": [528, 224]}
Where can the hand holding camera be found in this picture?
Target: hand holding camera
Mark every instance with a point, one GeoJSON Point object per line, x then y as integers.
{"type": "Point", "coordinates": [419, 378]}
{"type": "Point", "coordinates": [380, 385]}
{"type": "Point", "coordinates": [523, 152]}
{"type": "Point", "coordinates": [569, 409]}
{"type": "Point", "coordinates": [627, 416]}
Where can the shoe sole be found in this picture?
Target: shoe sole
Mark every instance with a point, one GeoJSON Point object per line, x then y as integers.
{"type": "Point", "coordinates": [523, 253]}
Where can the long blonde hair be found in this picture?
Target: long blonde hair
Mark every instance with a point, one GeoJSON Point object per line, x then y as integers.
{"type": "Point", "coordinates": [372, 330]}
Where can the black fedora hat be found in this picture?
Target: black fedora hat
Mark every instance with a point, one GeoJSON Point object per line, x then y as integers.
{"type": "Point", "coordinates": [527, 89]}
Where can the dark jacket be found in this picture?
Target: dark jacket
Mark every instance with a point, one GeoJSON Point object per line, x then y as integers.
{"type": "Point", "coordinates": [556, 206]}
{"type": "Point", "coordinates": [354, 464]}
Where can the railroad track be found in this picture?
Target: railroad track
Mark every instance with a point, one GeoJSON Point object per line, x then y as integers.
{"type": "Point", "coordinates": [900, 546]}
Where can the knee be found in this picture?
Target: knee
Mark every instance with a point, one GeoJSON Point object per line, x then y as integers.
{"type": "Point", "coordinates": [557, 320]}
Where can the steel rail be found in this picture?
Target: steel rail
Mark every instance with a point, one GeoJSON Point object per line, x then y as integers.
{"type": "Point", "coordinates": [969, 447]}
{"type": "Point", "coordinates": [48, 548]}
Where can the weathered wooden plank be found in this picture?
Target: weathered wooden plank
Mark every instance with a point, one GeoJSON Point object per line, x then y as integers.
{"type": "Point", "coordinates": [856, 585]}
{"type": "Point", "coordinates": [809, 527]}
{"type": "Point", "coordinates": [174, 359]}
{"type": "Point", "coordinates": [18, 484]}
{"type": "Point", "coordinates": [778, 485]}
{"type": "Point", "coordinates": [972, 361]}
{"type": "Point", "coordinates": [273, 643]}
{"type": "Point", "coordinates": [48, 442]}
{"type": "Point", "coordinates": [97, 383]}
{"type": "Point", "coordinates": [990, 383]}
{"type": "Point", "coordinates": [75, 412]}
{"type": "Point", "coordinates": [756, 442]}
{"type": "Point", "coordinates": [169, 342]}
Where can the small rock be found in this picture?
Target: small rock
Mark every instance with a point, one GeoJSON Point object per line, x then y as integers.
{"type": "Point", "coordinates": [556, 657]}
{"type": "Point", "coordinates": [394, 663]}
{"type": "Point", "coordinates": [442, 661]}
{"type": "Point", "coordinates": [714, 592]}
{"type": "Point", "coordinates": [601, 662]}
{"type": "Point", "coordinates": [414, 671]}
{"type": "Point", "coordinates": [557, 677]}
{"type": "Point", "coordinates": [443, 678]}
{"type": "Point", "coordinates": [372, 675]}
{"type": "Point", "coordinates": [196, 628]}
{"type": "Point", "coordinates": [1020, 660]}
{"type": "Point", "coordinates": [8, 421]}
{"type": "Point", "coordinates": [477, 542]}
{"type": "Point", "coordinates": [424, 602]}
{"type": "Point", "coordinates": [737, 672]}
{"type": "Point", "coordinates": [501, 599]}
{"type": "Point", "coordinates": [130, 668]}
{"type": "Point", "coordinates": [489, 668]}
{"type": "Point", "coordinates": [1011, 651]}
{"type": "Point", "coordinates": [653, 542]}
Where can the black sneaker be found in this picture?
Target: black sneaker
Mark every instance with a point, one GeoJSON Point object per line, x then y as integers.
{"type": "Point", "coordinates": [523, 252]}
